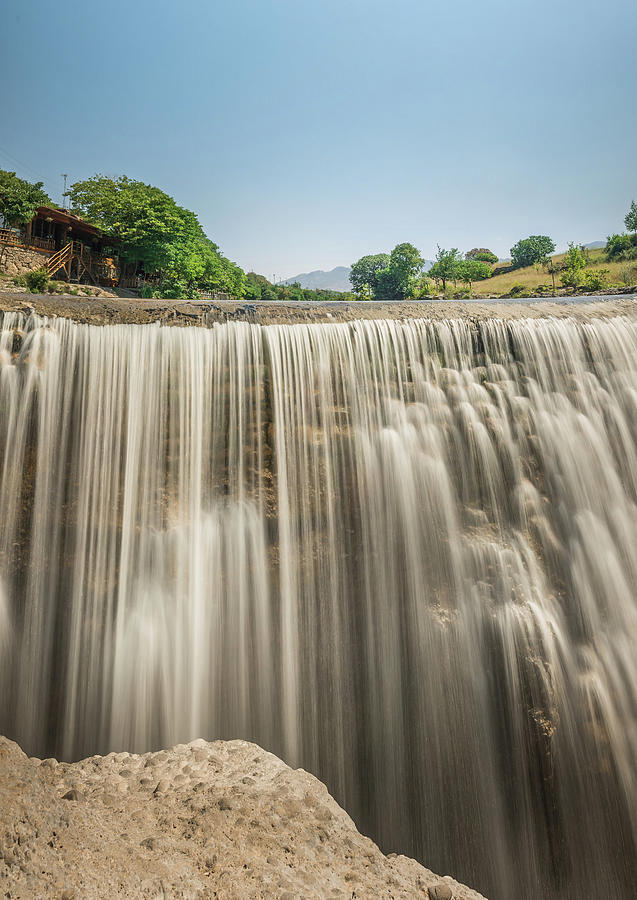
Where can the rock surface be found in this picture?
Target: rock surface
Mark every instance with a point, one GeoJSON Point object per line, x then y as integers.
{"type": "Point", "coordinates": [222, 819]}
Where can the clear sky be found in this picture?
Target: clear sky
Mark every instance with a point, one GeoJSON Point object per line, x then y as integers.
{"type": "Point", "coordinates": [306, 133]}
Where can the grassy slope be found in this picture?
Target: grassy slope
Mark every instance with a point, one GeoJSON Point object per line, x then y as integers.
{"type": "Point", "coordinates": [533, 276]}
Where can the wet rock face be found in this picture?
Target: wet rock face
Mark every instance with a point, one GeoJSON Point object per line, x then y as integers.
{"type": "Point", "coordinates": [222, 819]}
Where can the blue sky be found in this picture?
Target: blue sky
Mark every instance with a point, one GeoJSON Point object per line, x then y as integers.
{"type": "Point", "coordinates": [305, 134]}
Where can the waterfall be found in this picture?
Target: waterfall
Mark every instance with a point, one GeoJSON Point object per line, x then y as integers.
{"type": "Point", "coordinates": [402, 554]}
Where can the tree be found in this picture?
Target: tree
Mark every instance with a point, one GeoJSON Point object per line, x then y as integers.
{"type": "Point", "coordinates": [152, 229]}
{"type": "Point", "coordinates": [446, 266]}
{"type": "Point", "coordinates": [534, 249]}
{"type": "Point", "coordinates": [552, 268]}
{"type": "Point", "coordinates": [483, 254]}
{"type": "Point", "coordinates": [621, 246]}
{"type": "Point", "coordinates": [630, 220]}
{"type": "Point", "coordinates": [19, 199]}
{"type": "Point", "coordinates": [365, 272]}
{"type": "Point", "coordinates": [470, 270]}
{"type": "Point", "coordinates": [405, 263]}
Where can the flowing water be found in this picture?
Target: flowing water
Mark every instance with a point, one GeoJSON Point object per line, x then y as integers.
{"type": "Point", "coordinates": [402, 554]}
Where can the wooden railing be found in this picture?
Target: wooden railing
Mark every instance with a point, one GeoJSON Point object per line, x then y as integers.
{"type": "Point", "coordinates": [41, 244]}
{"type": "Point", "coordinates": [75, 259]}
{"type": "Point", "coordinates": [17, 239]}
{"type": "Point", "coordinates": [60, 260]}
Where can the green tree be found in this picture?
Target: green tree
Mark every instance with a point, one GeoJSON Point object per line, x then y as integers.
{"type": "Point", "coordinates": [397, 281]}
{"type": "Point", "coordinates": [534, 249]}
{"type": "Point", "coordinates": [447, 266]}
{"type": "Point", "coordinates": [621, 246]}
{"type": "Point", "coordinates": [365, 271]}
{"type": "Point", "coordinates": [470, 270]}
{"type": "Point", "coordinates": [630, 219]}
{"type": "Point", "coordinates": [482, 254]}
{"type": "Point", "coordinates": [19, 199]}
{"type": "Point", "coordinates": [151, 228]}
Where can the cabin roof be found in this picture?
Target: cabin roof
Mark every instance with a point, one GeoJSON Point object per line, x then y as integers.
{"type": "Point", "coordinates": [64, 217]}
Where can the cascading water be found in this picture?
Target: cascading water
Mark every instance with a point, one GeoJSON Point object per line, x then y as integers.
{"type": "Point", "coordinates": [400, 554]}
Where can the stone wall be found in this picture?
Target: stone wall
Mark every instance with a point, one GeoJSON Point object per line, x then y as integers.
{"type": "Point", "coordinates": [18, 260]}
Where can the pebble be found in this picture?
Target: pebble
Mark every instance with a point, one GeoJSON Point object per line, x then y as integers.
{"type": "Point", "coordinates": [440, 892]}
{"type": "Point", "coordinates": [71, 795]}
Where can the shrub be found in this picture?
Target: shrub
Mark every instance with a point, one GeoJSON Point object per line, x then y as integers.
{"type": "Point", "coordinates": [595, 279]}
{"type": "Point", "coordinates": [37, 280]}
{"type": "Point", "coordinates": [146, 291]}
{"type": "Point", "coordinates": [52, 287]}
{"type": "Point", "coordinates": [517, 290]}
{"type": "Point", "coordinates": [19, 280]}
{"type": "Point", "coordinates": [174, 289]}
{"type": "Point", "coordinates": [571, 278]}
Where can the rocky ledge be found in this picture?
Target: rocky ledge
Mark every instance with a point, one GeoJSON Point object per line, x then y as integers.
{"type": "Point", "coordinates": [126, 311]}
{"type": "Point", "coordinates": [222, 819]}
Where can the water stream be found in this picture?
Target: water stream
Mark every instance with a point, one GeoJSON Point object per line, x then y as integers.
{"type": "Point", "coordinates": [402, 554]}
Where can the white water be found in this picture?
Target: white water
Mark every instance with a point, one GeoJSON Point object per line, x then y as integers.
{"type": "Point", "coordinates": [400, 554]}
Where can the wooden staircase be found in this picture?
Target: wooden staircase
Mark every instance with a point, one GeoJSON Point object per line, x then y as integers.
{"type": "Point", "coordinates": [72, 253]}
{"type": "Point", "coordinates": [60, 261]}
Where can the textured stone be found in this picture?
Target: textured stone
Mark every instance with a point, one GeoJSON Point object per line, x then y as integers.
{"type": "Point", "coordinates": [274, 832]}
{"type": "Point", "coordinates": [18, 260]}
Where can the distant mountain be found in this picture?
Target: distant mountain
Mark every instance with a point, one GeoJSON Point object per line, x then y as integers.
{"type": "Point", "coordinates": [335, 280]}
{"type": "Point", "coordinates": [595, 245]}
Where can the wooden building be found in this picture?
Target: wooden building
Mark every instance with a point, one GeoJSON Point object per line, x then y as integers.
{"type": "Point", "coordinates": [72, 249]}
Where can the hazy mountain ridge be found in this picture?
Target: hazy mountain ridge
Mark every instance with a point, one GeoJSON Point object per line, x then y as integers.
{"type": "Point", "coordinates": [335, 280]}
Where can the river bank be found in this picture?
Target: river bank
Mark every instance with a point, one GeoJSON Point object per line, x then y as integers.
{"type": "Point", "coordinates": [119, 310]}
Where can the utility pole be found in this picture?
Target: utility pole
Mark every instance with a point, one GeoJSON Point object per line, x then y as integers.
{"type": "Point", "coordinates": [64, 176]}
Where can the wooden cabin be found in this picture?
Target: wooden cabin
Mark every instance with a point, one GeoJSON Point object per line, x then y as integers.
{"type": "Point", "coordinates": [73, 250]}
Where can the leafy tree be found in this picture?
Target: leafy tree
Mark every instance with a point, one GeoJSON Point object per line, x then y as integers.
{"type": "Point", "coordinates": [470, 270]}
{"type": "Point", "coordinates": [446, 266]}
{"type": "Point", "coordinates": [397, 281]}
{"type": "Point", "coordinates": [152, 229]}
{"type": "Point", "coordinates": [630, 220]}
{"type": "Point", "coordinates": [19, 199]}
{"type": "Point", "coordinates": [365, 271]}
{"type": "Point", "coordinates": [534, 249]}
{"type": "Point", "coordinates": [483, 254]}
{"type": "Point", "coordinates": [621, 246]}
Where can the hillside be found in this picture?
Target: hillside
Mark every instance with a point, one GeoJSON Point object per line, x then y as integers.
{"type": "Point", "coordinates": [532, 278]}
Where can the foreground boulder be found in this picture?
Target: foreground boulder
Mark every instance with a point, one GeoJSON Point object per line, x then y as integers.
{"type": "Point", "coordinates": [222, 819]}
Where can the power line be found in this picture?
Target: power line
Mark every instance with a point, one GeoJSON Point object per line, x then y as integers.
{"type": "Point", "coordinates": [22, 165]}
